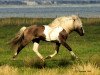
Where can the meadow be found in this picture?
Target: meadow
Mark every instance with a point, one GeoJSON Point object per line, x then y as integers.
{"type": "Point", "coordinates": [87, 48]}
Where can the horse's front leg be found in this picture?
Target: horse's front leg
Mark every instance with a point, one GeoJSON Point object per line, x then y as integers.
{"type": "Point", "coordinates": [63, 42]}
{"type": "Point", "coordinates": [35, 49]}
{"type": "Point", "coordinates": [56, 51]}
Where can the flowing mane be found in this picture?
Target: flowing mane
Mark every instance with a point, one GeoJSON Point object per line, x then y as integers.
{"type": "Point", "coordinates": [67, 22]}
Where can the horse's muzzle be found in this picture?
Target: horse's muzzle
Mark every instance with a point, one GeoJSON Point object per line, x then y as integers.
{"type": "Point", "coordinates": [80, 31]}
{"type": "Point", "coordinates": [82, 34]}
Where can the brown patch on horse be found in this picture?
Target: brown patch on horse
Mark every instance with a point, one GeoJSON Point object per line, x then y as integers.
{"type": "Point", "coordinates": [63, 35]}
{"type": "Point", "coordinates": [34, 32]}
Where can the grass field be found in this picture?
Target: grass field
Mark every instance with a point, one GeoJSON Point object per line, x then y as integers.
{"type": "Point", "coordinates": [87, 48]}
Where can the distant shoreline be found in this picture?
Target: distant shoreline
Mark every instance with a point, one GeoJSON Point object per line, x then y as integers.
{"type": "Point", "coordinates": [59, 5]}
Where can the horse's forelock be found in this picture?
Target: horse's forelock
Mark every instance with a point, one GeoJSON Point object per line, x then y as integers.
{"type": "Point", "coordinates": [77, 21]}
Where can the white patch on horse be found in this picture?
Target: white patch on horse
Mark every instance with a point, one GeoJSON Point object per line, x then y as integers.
{"type": "Point", "coordinates": [55, 33]}
{"type": "Point", "coordinates": [52, 33]}
{"type": "Point", "coordinates": [47, 32]}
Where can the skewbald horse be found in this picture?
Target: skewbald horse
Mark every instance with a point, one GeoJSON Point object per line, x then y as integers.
{"type": "Point", "coordinates": [56, 32]}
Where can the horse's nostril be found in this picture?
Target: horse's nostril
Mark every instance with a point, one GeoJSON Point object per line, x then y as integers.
{"type": "Point", "coordinates": [82, 34]}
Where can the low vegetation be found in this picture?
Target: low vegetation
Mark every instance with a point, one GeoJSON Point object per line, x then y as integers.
{"type": "Point", "coordinates": [87, 48]}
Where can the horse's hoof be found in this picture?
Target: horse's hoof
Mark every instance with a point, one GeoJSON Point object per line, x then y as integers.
{"type": "Point", "coordinates": [43, 59]}
{"type": "Point", "coordinates": [74, 57]}
{"type": "Point", "coordinates": [48, 57]}
{"type": "Point", "coordinates": [13, 59]}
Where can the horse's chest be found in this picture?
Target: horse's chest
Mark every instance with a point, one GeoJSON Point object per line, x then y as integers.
{"type": "Point", "coordinates": [52, 34]}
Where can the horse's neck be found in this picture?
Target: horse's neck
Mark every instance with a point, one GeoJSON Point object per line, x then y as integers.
{"type": "Point", "coordinates": [68, 29]}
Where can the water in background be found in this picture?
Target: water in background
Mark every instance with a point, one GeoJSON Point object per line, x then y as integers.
{"type": "Point", "coordinates": [90, 10]}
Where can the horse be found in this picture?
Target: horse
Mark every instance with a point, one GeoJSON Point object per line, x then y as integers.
{"type": "Point", "coordinates": [56, 32]}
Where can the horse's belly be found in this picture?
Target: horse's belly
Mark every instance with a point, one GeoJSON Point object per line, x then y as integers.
{"type": "Point", "coordinates": [52, 34]}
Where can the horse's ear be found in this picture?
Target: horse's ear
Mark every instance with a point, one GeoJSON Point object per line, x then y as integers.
{"type": "Point", "coordinates": [74, 17]}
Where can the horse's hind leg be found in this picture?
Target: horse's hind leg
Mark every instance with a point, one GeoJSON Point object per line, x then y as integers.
{"type": "Point", "coordinates": [18, 50]}
{"type": "Point", "coordinates": [22, 44]}
{"type": "Point", "coordinates": [56, 51]}
{"type": "Point", "coordinates": [35, 49]}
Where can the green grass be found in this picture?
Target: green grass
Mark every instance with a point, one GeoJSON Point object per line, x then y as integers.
{"type": "Point", "coordinates": [87, 47]}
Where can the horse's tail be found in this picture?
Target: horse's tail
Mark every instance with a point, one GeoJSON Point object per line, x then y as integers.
{"type": "Point", "coordinates": [16, 41]}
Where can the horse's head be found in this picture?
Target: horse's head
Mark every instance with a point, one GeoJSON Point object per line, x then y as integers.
{"type": "Point", "coordinates": [78, 25]}
{"type": "Point", "coordinates": [69, 23]}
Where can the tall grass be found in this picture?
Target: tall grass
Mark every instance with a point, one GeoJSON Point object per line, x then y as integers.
{"type": "Point", "coordinates": [24, 21]}
{"type": "Point", "coordinates": [77, 69]}
{"type": "Point", "coordinates": [8, 70]}
{"type": "Point", "coordinates": [91, 21]}
{"type": "Point", "coordinates": [41, 21]}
